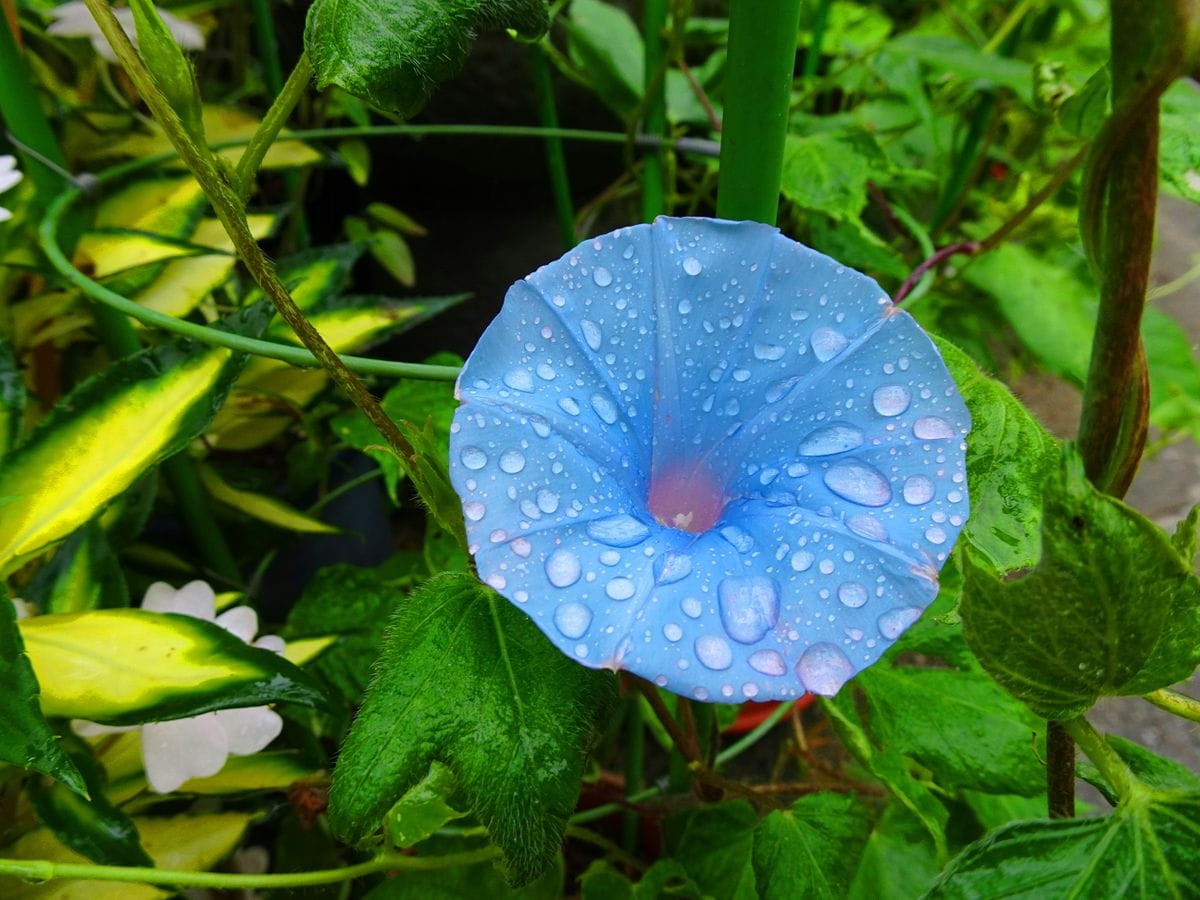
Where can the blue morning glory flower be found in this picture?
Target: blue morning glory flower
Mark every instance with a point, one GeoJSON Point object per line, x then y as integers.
{"type": "Point", "coordinates": [701, 452]}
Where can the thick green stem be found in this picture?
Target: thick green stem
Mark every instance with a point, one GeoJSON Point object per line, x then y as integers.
{"type": "Point", "coordinates": [654, 23]}
{"type": "Point", "coordinates": [816, 38]}
{"type": "Point", "coordinates": [1103, 756]}
{"type": "Point", "coordinates": [268, 45]}
{"type": "Point", "coordinates": [1175, 703]}
{"type": "Point", "coordinates": [762, 60]}
{"type": "Point", "coordinates": [271, 125]}
{"type": "Point", "coordinates": [556, 160]}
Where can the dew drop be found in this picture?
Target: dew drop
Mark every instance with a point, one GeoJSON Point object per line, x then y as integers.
{"type": "Point", "coordinates": [918, 489]}
{"type": "Point", "coordinates": [768, 352]}
{"type": "Point", "coordinates": [521, 547]}
{"type": "Point", "coordinates": [852, 594]}
{"type": "Point", "coordinates": [692, 607]}
{"type": "Point", "coordinates": [540, 426]}
{"type": "Point", "coordinates": [546, 372]}
{"type": "Point", "coordinates": [859, 483]}
{"type": "Point", "coordinates": [749, 690]}
{"type": "Point", "coordinates": [473, 458]}
{"type": "Point", "coordinates": [797, 470]}
{"type": "Point", "coordinates": [713, 652]}
{"type": "Point", "coordinates": [749, 607]}
{"type": "Point", "coordinates": [802, 560]}
{"type": "Point", "coordinates": [604, 408]}
{"type": "Point", "coordinates": [563, 568]}
{"type": "Point", "coordinates": [830, 440]}
{"type": "Point", "coordinates": [572, 619]}
{"type": "Point", "coordinates": [891, 399]}
{"type": "Point", "coordinates": [672, 632]}
{"type": "Point", "coordinates": [497, 581]}
{"type": "Point", "coordinates": [685, 306]}
{"type": "Point", "coordinates": [893, 623]}
{"type": "Point", "coordinates": [620, 588]}
{"type": "Point", "coordinates": [512, 461]}
{"type": "Point", "coordinates": [618, 531]}
{"type": "Point", "coordinates": [529, 508]}
{"type": "Point", "coordinates": [827, 343]}
{"type": "Point", "coordinates": [931, 428]}
{"type": "Point", "coordinates": [547, 501]}
{"type": "Point", "coordinates": [779, 389]}
{"type": "Point", "coordinates": [474, 510]}
{"type": "Point", "coordinates": [591, 333]}
{"type": "Point", "coordinates": [672, 567]}
{"type": "Point", "coordinates": [935, 535]}
{"type": "Point", "coordinates": [602, 276]}
{"type": "Point", "coordinates": [738, 538]}
{"type": "Point", "coordinates": [867, 526]}
{"type": "Point", "coordinates": [569, 406]}
{"type": "Point", "coordinates": [768, 662]}
{"type": "Point", "coordinates": [823, 669]}
{"type": "Point", "coordinates": [519, 380]}
{"type": "Point", "coordinates": [692, 266]}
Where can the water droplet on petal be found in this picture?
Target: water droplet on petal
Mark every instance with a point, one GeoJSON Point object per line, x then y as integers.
{"type": "Point", "coordinates": [931, 428]}
{"type": "Point", "coordinates": [473, 458]}
{"type": "Point", "coordinates": [547, 501]}
{"type": "Point", "coordinates": [604, 408]}
{"type": "Point", "coordinates": [620, 588]}
{"type": "Point", "coordinates": [692, 607]}
{"type": "Point", "coordinates": [521, 547]}
{"type": "Point", "coordinates": [569, 406]}
{"type": "Point", "coordinates": [572, 619]}
{"type": "Point", "coordinates": [685, 306]}
{"type": "Point", "coordinates": [852, 594]}
{"type": "Point", "coordinates": [859, 483]}
{"type": "Point", "coordinates": [602, 276]}
{"type": "Point", "coordinates": [768, 352]}
{"type": "Point", "coordinates": [802, 560]}
{"type": "Point", "coordinates": [591, 333]}
{"type": "Point", "coordinates": [891, 399]}
{"type": "Point", "coordinates": [672, 632]}
{"type": "Point", "coordinates": [672, 567]}
{"type": "Point", "coordinates": [540, 426]}
{"type": "Point", "coordinates": [768, 662]}
{"type": "Point", "coordinates": [749, 607]}
{"type": "Point", "coordinates": [519, 380]}
{"type": "Point", "coordinates": [474, 510]}
{"type": "Point", "coordinates": [512, 461]}
{"type": "Point", "coordinates": [827, 343]}
{"type": "Point", "coordinates": [692, 266]}
{"type": "Point", "coordinates": [713, 652]}
{"type": "Point", "coordinates": [618, 531]}
{"type": "Point", "coordinates": [935, 535]}
{"type": "Point", "coordinates": [918, 489]}
{"type": "Point", "coordinates": [893, 623]}
{"type": "Point", "coordinates": [546, 372]}
{"type": "Point", "coordinates": [830, 440]}
{"type": "Point", "coordinates": [563, 568]}
{"type": "Point", "coordinates": [797, 470]}
{"type": "Point", "coordinates": [867, 526]}
{"type": "Point", "coordinates": [823, 669]}
{"type": "Point", "coordinates": [738, 538]}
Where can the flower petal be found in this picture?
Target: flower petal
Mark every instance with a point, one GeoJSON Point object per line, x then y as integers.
{"type": "Point", "coordinates": [249, 730]}
{"type": "Point", "coordinates": [272, 642]}
{"type": "Point", "coordinates": [175, 751]}
{"type": "Point", "coordinates": [86, 729]}
{"type": "Point", "coordinates": [195, 599]}
{"type": "Point", "coordinates": [241, 621]}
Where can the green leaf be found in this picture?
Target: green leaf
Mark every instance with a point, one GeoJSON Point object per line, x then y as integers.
{"type": "Point", "coordinates": [393, 53]}
{"type": "Point", "coordinates": [392, 252]}
{"type": "Point", "coordinates": [26, 739]}
{"type": "Point", "coordinates": [667, 879]}
{"type": "Point", "coordinates": [716, 846]}
{"type": "Point", "coordinates": [423, 809]}
{"type": "Point", "coordinates": [1149, 768]}
{"type": "Point", "coordinates": [1008, 457]}
{"type": "Point", "coordinates": [386, 214]}
{"type": "Point", "coordinates": [106, 433]}
{"type": "Point", "coordinates": [1084, 112]}
{"type": "Point", "coordinates": [606, 44]}
{"type": "Point", "coordinates": [261, 506]}
{"type": "Point", "coordinates": [475, 882]}
{"type": "Point", "coordinates": [852, 243]}
{"type": "Point", "coordinates": [1179, 146]}
{"type": "Point", "coordinates": [1186, 539]}
{"type": "Point", "coordinates": [357, 156]}
{"type": "Point", "coordinates": [1111, 608]}
{"type": "Point", "coordinates": [12, 399]}
{"type": "Point", "coordinates": [317, 275]}
{"type": "Point", "coordinates": [899, 861]}
{"type": "Point", "coordinates": [828, 171]}
{"type": "Point", "coordinates": [168, 66]}
{"type": "Point", "coordinates": [168, 667]}
{"type": "Point", "coordinates": [491, 698]}
{"type": "Point", "coordinates": [1146, 848]}
{"type": "Point", "coordinates": [812, 849]}
{"type": "Point", "coordinates": [957, 59]}
{"type": "Point", "coordinates": [84, 574]}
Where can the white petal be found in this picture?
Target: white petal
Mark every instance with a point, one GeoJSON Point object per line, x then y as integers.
{"type": "Point", "coordinates": [187, 35]}
{"type": "Point", "coordinates": [86, 729]}
{"type": "Point", "coordinates": [186, 748]}
{"type": "Point", "coordinates": [9, 179]}
{"type": "Point", "coordinates": [73, 19]}
{"type": "Point", "coordinates": [8, 162]}
{"type": "Point", "coordinates": [241, 621]}
{"type": "Point", "coordinates": [195, 599]}
{"type": "Point", "coordinates": [5, 215]}
{"type": "Point", "coordinates": [272, 642]}
{"type": "Point", "coordinates": [249, 730]}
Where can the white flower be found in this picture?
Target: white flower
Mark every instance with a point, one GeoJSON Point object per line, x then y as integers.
{"type": "Point", "coordinates": [9, 177]}
{"type": "Point", "coordinates": [197, 747]}
{"type": "Point", "coordinates": [73, 20]}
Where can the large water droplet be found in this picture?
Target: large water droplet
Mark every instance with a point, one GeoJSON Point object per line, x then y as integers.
{"type": "Point", "coordinates": [768, 352]}
{"type": "Point", "coordinates": [620, 588]}
{"type": "Point", "coordinates": [672, 632]}
{"type": "Point", "coordinates": [918, 489]}
{"type": "Point", "coordinates": [867, 526]}
{"type": "Point", "coordinates": [713, 652]}
{"type": "Point", "coordinates": [512, 461]}
{"type": "Point", "coordinates": [591, 333]}
{"type": "Point", "coordinates": [602, 276]}
{"type": "Point", "coordinates": [935, 535]}
{"type": "Point", "coordinates": [692, 266]}
{"type": "Point", "coordinates": [779, 389]}
{"type": "Point", "coordinates": [827, 343]}
{"type": "Point", "coordinates": [852, 594]}
{"type": "Point", "coordinates": [604, 408]}
{"type": "Point", "coordinates": [474, 510]}
{"type": "Point", "coordinates": [768, 662]}
{"type": "Point", "coordinates": [519, 380]}
{"type": "Point", "coordinates": [823, 669]}
{"type": "Point", "coordinates": [540, 426]}
{"type": "Point", "coordinates": [891, 399]}
{"type": "Point", "coordinates": [572, 619]}
{"type": "Point", "coordinates": [738, 538]}
{"type": "Point", "coordinates": [563, 568]}
{"type": "Point", "coordinates": [749, 607]}
{"type": "Point", "coordinates": [569, 406]}
{"type": "Point", "coordinates": [546, 372]}
{"type": "Point", "coordinates": [931, 428]}
{"type": "Point", "coordinates": [830, 440]}
{"type": "Point", "coordinates": [893, 623]}
{"type": "Point", "coordinates": [618, 531]}
{"type": "Point", "coordinates": [473, 458]}
{"type": "Point", "coordinates": [672, 567]}
{"type": "Point", "coordinates": [859, 483]}
{"type": "Point", "coordinates": [692, 607]}
{"type": "Point", "coordinates": [547, 501]}
{"type": "Point", "coordinates": [802, 560]}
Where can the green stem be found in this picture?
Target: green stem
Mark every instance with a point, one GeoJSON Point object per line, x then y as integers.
{"type": "Point", "coordinates": [635, 762]}
{"type": "Point", "coordinates": [760, 731]}
{"type": "Point", "coordinates": [654, 23]}
{"type": "Point", "coordinates": [268, 45]}
{"type": "Point", "coordinates": [556, 160]}
{"type": "Point", "coordinates": [1175, 703]}
{"type": "Point", "coordinates": [40, 870]}
{"type": "Point", "coordinates": [762, 58]}
{"type": "Point", "coordinates": [1103, 756]}
{"type": "Point", "coordinates": [816, 39]}
{"type": "Point", "coordinates": [272, 123]}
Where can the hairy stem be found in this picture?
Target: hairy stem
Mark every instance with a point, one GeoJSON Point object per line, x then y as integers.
{"type": "Point", "coordinates": [1175, 703]}
{"type": "Point", "coordinates": [1103, 756]}
{"type": "Point", "coordinates": [272, 123]}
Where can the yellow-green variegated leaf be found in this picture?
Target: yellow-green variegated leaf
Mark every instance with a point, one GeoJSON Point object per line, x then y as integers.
{"type": "Point", "coordinates": [106, 433]}
{"type": "Point", "coordinates": [304, 650]}
{"type": "Point", "coordinates": [128, 666]}
{"type": "Point", "coordinates": [84, 574]}
{"type": "Point", "coordinates": [274, 771]}
{"type": "Point", "coordinates": [262, 507]}
{"type": "Point", "coordinates": [182, 842]}
{"type": "Point", "coordinates": [40, 319]}
{"type": "Point", "coordinates": [184, 282]}
{"type": "Point", "coordinates": [164, 209]}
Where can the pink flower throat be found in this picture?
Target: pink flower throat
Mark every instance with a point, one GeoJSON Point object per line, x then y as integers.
{"type": "Point", "coordinates": [686, 498]}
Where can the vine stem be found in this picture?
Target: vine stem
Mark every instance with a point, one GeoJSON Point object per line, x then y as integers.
{"type": "Point", "coordinates": [39, 870]}
{"type": "Point", "coordinates": [1101, 753]}
{"type": "Point", "coordinates": [229, 210]}
{"type": "Point", "coordinates": [272, 123]}
{"type": "Point", "coordinates": [1175, 703]}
